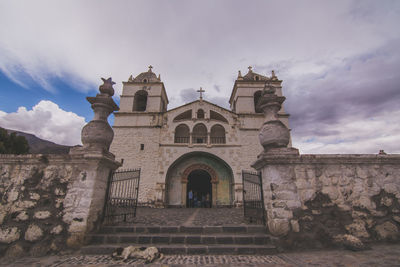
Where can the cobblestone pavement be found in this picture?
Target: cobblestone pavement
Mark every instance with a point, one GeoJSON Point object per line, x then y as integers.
{"type": "Point", "coordinates": [379, 255]}
{"type": "Point", "coordinates": [180, 216]}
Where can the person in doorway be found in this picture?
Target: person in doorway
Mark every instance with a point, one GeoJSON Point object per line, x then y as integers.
{"type": "Point", "coordinates": [190, 196]}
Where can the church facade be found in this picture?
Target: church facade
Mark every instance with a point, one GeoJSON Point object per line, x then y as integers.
{"type": "Point", "coordinates": [198, 146]}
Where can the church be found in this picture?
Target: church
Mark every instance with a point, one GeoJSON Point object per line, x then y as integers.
{"type": "Point", "coordinates": [199, 147]}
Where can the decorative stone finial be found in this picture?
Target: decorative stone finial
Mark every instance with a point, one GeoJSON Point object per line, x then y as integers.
{"type": "Point", "coordinates": [273, 76]}
{"type": "Point", "coordinates": [97, 135]}
{"type": "Point", "coordinates": [159, 77]}
{"type": "Point", "coordinates": [268, 89]}
{"type": "Point", "coordinates": [273, 133]}
{"type": "Point", "coordinates": [150, 67]}
{"type": "Point", "coordinates": [250, 68]}
{"type": "Point", "coordinates": [130, 79]}
{"type": "Point", "coordinates": [107, 87]}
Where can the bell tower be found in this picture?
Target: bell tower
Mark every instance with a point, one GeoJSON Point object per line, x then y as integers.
{"type": "Point", "coordinates": [144, 93]}
{"type": "Point", "coordinates": [143, 99]}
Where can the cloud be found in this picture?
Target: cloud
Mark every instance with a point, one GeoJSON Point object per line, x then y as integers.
{"type": "Point", "coordinates": [338, 59]}
{"type": "Point", "coordinates": [355, 135]}
{"type": "Point", "coordinates": [188, 95]}
{"type": "Point", "coordinates": [47, 121]}
{"type": "Point", "coordinates": [79, 42]}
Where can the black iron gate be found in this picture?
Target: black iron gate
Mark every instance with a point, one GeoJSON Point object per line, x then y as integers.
{"type": "Point", "coordinates": [253, 199]}
{"type": "Point", "coordinates": [122, 196]}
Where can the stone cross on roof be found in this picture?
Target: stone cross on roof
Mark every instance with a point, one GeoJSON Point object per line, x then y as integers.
{"type": "Point", "coordinates": [150, 67]}
{"type": "Point", "coordinates": [201, 91]}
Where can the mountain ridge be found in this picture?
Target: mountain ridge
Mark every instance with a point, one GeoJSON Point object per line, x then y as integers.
{"type": "Point", "coordinates": [41, 146]}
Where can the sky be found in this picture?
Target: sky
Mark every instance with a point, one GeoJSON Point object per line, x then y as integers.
{"type": "Point", "coordinates": [339, 62]}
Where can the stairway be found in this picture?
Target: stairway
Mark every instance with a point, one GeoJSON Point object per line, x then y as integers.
{"type": "Point", "coordinates": [228, 239]}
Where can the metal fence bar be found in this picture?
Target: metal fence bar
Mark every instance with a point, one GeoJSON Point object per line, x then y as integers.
{"type": "Point", "coordinates": [253, 199]}
{"type": "Point", "coordinates": [122, 196]}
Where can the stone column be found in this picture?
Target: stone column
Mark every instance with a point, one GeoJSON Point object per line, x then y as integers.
{"type": "Point", "coordinates": [85, 198]}
{"type": "Point", "coordinates": [160, 190]}
{"type": "Point", "coordinates": [280, 192]}
{"type": "Point", "coordinates": [184, 182]}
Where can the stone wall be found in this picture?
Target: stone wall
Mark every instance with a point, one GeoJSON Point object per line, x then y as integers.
{"type": "Point", "coordinates": [49, 202]}
{"type": "Point", "coordinates": [315, 200]}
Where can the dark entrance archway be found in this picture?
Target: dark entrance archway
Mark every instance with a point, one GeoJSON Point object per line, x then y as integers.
{"type": "Point", "coordinates": [177, 179]}
{"type": "Point", "coordinates": [199, 182]}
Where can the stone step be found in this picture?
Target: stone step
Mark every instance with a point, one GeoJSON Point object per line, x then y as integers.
{"type": "Point", "coordinates": [188, 249]}
{"type": "Point", "coordinates": [180, 238]}
{"type": "Point", "coordinates": [184, 229]}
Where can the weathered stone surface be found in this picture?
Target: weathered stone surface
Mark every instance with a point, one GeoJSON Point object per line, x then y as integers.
{"type": "Point", "coordinates": [41, 215]}
{"type": "Point", "coordinates": [387, 201]}
{"type": "Point", "coordinates": [22, 205]}
{"type": "Point", "coordinates": [350, 242]}
{"type": "Point", "coordinates": [387, 231]}
{"type": "Point", "coordinates": [59, 192]}
{"type": "Point", "coordinates": [3, 214]}
{"type": "Point", "coordinates": [9, 235]}
{"type": "Point", "coordinates": [278, 227]}
{"type": "Point", "coordinates": [59, 202]}
{"type": "Point", "coordinates": [358, 229]}
{"type": "Point", "coordinates": [34, 196]}
{"type": "Point", "coordinates": [282, 213]}
{"type": "Point", "coordinates": [12, 195]}
{"type": "Point", "coordinates": [295, 226]}
{"type": "Point", "coordinates": [22, 216]}
{"type": "Point", "coordinates": [33, 233]}
{"type": "Point", "coordinates": [56, 230]}
{"type": "Point", "coordinates": [15, 251]}
{"type": "Point", "coordinates": [396, 218]}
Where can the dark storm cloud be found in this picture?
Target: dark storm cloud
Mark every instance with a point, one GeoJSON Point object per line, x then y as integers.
{"type": "Point", "coordinates": [362, 86]}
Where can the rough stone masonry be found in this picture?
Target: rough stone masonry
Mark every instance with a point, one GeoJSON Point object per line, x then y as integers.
{"type": "Point", "coordinates": [51, 202]}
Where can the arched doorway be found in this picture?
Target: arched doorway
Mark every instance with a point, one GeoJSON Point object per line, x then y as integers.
{"type": "Point", "coordinates": [199, 183]}
{"type": "Point", "coordinates": [209, 170]}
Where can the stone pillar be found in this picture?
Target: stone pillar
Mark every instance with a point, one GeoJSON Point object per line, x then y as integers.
{"type": "Point", "coordinates": [280, 192]}
{"type": "Point", "coordinates": [214, 184]}
{"type": "Point", "coordinates": [85, 198]}
{"type": "Point", "coordinates": [160, 191]}
{"type": "Point", "coordinates": [184, 182]}
{"type": "Point", "coordinates": [238, 187]}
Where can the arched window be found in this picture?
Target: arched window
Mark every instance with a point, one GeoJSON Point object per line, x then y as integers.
{"type": "Point", "coordinates": [257, 78]}
{"type": "Point", "coordinates": [216, 116]}
{"type": "Point", "coordinates": [182, 133]}
{"type": "Point", "coordinates": [187, 115]}
{"type": "Point", "coordinates": [200, 114]}
{"type": "Point", "coordinates": [257, 96]}
{"type": "Point", "coordinates": [140, 101]}
{"type": "Point", "coordinates": [217, 134]}
{"type": "Point", "coordinates": [199, 134]}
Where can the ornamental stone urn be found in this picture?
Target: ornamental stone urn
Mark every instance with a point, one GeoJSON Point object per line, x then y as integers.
{"type": "Point", "coordinates": [273, 133]}
{"type": "Point", "coordinates": [97, 135]}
